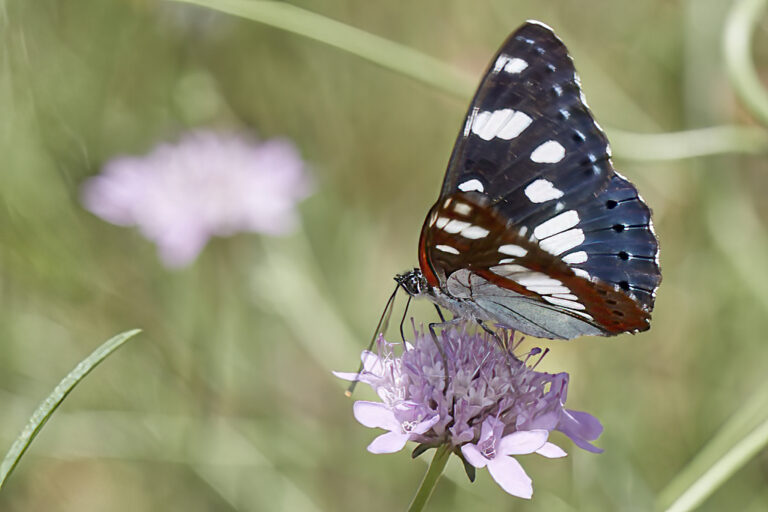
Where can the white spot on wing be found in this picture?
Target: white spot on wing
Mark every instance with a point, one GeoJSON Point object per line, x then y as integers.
{"type": "Point", "coordinates": [447, 248]}
{"type": "Point", "coordinates": [562, 242]}
{"type": "Point", "coordinates": [505, 270]}
{"type": "Point", "coordinates": [513, 250]}
{"type": "Point", "coordinates": [544, 25]}
{"type": "Point", "coordinates": [575, 257]}
{"type": "Point", "coordinates": [549, 290]}
{"type": "Point", "coordinates": [542, 190]}
{"type": "Point", "coordinates": [470, 121]}
{"type": "Point", "coordinates": [462, 208]}
{"type": "Point", "coordinates": [486, 124]}
{"type": "Point", "coordinates": [549, 152]}
{"type": "Point", "coordinates": [556, 224]}
{"type": "Point", "coordinates": [470, 185]}
{"type": "Point", "coordinates": [501, 62]}
{"type": "Point", "coordinates": [585, 315]}
{"type": "Point", "coordinates": [581, 273]}
{"type": "Point", "coordinates": [454, 226]}
{"type": "Point", "coordinates": [515, 126]}
{"type": "Point", "coordinates": [441, 222]}
{"type": "Point", "coordinates": [566, 296]}
{"type": "Point", "coordinates": [474, 232]}
{"type": "Point", "coordinates": [505, 124]}
{"type": "Point", "coordinates": [570, 304]}
{"type": "Point", "coordinates": [515, 65]}
{"type": "Point", "coordinates": [537, 279]}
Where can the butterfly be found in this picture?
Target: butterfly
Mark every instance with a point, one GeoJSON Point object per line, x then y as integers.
{"type": "Point", "coordinates": [534, 229]}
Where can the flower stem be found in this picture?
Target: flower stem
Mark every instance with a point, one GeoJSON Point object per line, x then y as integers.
{"type": "Point", "coordinates": [429, 482]}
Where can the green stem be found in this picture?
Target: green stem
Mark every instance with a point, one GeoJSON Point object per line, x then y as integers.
{"type": "Point", "coordinates": [429, 482]}
{"type": "Point", "coordinates": [737, 45]}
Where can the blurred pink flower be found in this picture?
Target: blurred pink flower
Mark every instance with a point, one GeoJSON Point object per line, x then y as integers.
{"type": "Point", "coordinates": [207, 184]}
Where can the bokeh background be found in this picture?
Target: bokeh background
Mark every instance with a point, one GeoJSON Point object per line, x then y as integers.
{"type": "Point", "coordinates": [226, 401]}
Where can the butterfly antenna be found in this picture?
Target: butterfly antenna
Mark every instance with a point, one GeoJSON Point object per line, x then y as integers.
{"type": "Point", "coordinates": [383, 320]}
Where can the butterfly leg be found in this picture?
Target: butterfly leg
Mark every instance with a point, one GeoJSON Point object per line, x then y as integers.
{"type": "Point", "coordinates": [490, 331]}
{"type": "Point", "coordinates": [402, 320]}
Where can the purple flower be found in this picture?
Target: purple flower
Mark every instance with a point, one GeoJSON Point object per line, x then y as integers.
{"type": "Point", "coordinates": [493, 406]}
{"type": "Point", "coordinates": [403, 420]}
{"type": "Point", "coordinates": [207, 184]}
{"type": "Point", "coordinates": [493, 450]}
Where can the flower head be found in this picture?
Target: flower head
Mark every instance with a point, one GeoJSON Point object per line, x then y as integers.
{"type": "Point", "coordinates": [207, 184]}
{"type": "Point", "coordinates": [493, 405]}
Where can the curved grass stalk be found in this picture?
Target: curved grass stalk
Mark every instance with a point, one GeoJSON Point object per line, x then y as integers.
{"type": "Point", "coordinates": [442, 76]}
{"type": "Point", "coordinates": [737, 45]}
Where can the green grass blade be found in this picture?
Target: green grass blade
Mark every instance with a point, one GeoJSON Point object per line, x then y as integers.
{"type": "Point", "coordinates": [50, 404]}
{"type": "Point", "coordinates": [745, 433]}
{"type": "Point", "coordinates": [721, 470]}
{"type": "Point", "coordinates": [388, 54]}
{"type": "Point", "coordinates": [442, 76]}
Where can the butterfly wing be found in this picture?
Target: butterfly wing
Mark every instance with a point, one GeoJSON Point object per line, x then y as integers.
{"type": "Point", "coordinates": [531, 169]}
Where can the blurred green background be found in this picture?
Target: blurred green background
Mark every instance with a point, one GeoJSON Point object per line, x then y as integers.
{"type": "Point", "coordinates": [226, 401]}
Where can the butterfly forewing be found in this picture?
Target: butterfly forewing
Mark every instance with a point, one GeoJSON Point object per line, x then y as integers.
{"type": "Point", "coordinates": [532, 210]}
{"type": "Point", "coordinates": [527, 125]}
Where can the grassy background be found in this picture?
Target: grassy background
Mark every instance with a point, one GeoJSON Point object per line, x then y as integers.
{"type": "Point", "coordinates": [226, 401]}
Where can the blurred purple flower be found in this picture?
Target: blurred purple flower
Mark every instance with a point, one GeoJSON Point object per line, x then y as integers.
{"type": "Point", "coordinates": [207, 184]}
{"type": "Point", "coordinates": [494, 405]}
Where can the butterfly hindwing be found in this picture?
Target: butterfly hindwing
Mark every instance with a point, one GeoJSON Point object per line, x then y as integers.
{"type": "Point", "coordinates": [471, 251]}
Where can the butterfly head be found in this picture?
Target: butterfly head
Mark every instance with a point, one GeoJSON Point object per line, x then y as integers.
{"type": "Point", "coordinates": [413, 282]}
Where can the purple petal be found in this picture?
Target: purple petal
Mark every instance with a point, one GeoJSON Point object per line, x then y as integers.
{"type": "Point", "coordinates": [473, 455]}
{"type": "Point", "coordinates": [545, 421]}
{"type": "Point", "coordinates": [581, 427]}
{"type": "Point", "coordinates": [551, 451]}
{"type": "Point", "coordinates": [425, 425]}
{"type": "Point", "coordinates": [346, 375]}
{"type": "Point", "coordinates": [375, 415]}
{"type": "Point", "coordinates": [372, 362]}
{"type": "Point", "coordinates": [589, 427]}
{"type": "Point", "coordinates": [390, 442]}
{"type": "Point", "coordinates": [511, 476]}
{"type": "Point", "coordinates": [520, 443]}
{"type": "Point", "coordinates": [491, 427]}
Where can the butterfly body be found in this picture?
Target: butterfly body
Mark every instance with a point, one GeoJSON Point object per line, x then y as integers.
{"type": "Point", "coordinates": [533, 228]}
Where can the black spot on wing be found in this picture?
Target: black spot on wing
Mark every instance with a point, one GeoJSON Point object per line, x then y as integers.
{"type": "Point", "coordinates": [619, 241]}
